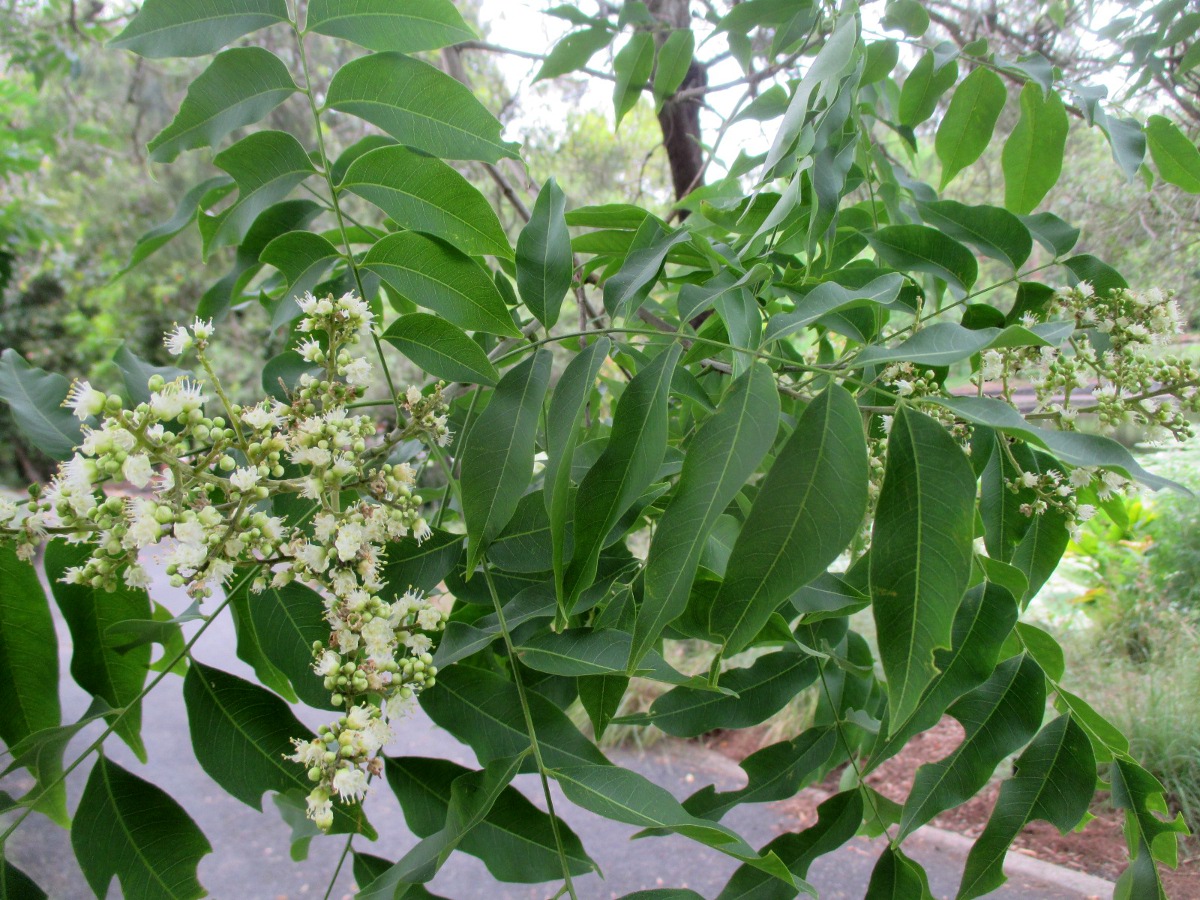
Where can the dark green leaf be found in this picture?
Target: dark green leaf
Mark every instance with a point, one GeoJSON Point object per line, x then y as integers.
{"type": "Point", "coordinates": [385, 25]}
{"type": "Point", "coordinates": [16, 885]}
{"type": "Point", "coordinates": [966, 129]}
{"type": "Point", "coordinates": [418, 105]}
{"type": "Point", "coordinates": [1151, 837]}
{"type": "Point", "coordinates": [185, 28]}
{"type": "Point", "coordinates": [544, 263]}
{"type": "Point", "coordinates": [920, 560]}
{"type": "Point", "coordinates": [1054, 781]}
{"type": "Point", "coordinates": [943, 343]}
{"type": "Point", "coordinates": [238, 88]}
{"type": "Point", "coordinates": [116, 678]}
{"type": "Point", "coordinates": [497, 458]}
{"type": "Point", "coordinates": [303, 258]}
{"type": "Point", "coordinates": [626, 290]}
{"type": "Point", "coordinates": [441, 349]}
{"type": "Point", "coordinates": [288, 620]}
{"type": "Point", "coordinates": [828, 297]}
{"type": "Point", "coordinates": [994, 231]}
{"type": "Point", "coordinates": [1052, 232]}
{"type": "Point", "coordinates": [896, 877]}
{"type": "Point", "coordinates": [185, 213]}
{"type": "Point", "coordinates": [1033, 154]}
{"type": "Point", "coordinates": [808, 509]}
{"type": "Point", "coordinates": [1128, 143]}
{"type": "Point", "coordinates": [632, 66]}
{"type": "Point", "coordinates": [436, 276]}
{"type": "Point", "coordinates": [725, 452]}
{"type": "Point", "coordinates": [128, 828]}
{"type": "Point", "coordinates": [35, 398]}
{"type": "Point", "coordinates": [421, 565]}
{"type": "Point", "coordinates": [136, 373]}
{"type": "Point", "coordinates": [924, 87]}
{"type": "Point", "coordinates": [425, 194]}
{"type": "Point", "coordinates": [281, 375]}
{"type": "Point", "coordinates": [917, 248]}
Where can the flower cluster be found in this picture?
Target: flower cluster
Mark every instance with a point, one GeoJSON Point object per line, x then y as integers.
{"type": "Point", "coordinates": [206, 505]}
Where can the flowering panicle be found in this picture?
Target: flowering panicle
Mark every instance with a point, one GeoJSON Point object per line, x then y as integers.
{"type": "Point", "coordinates": [209, 481]}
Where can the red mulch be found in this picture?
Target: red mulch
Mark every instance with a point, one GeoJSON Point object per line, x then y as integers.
{"type": "Point", "coordinates": [1098, 850]}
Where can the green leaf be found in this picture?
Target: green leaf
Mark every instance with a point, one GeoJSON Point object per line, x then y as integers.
{"type": "Point", "coordinates": [1054, 781]}
{"type": "Point", "coordinates": [626, 290]}
{"type": "Point", "coordinates": [1033, 154]}
{"type": "Point", "coordinates": [920, 560]}
{"type": "Point", "coordinates": [35, 398]}
{"type": "Point", "coordinates": [193, 201]}
{"type": "Point", "coordinates": [896, 877]}
{"type": "Point", "coordinates": [632, 66]}
{"type": "Point", "coordinates": [184, 28]}
{"type": "Point", "coordinates": [725, 452]}
{"type": "Point", "coordinates": [918, 248]}
{"type": "Point", "coordinates": [881, 59]}
{"type": "Point", "coordinates": [999, 717]}
{"type": "Point", "coordinates": [809, 508]}
{"type": "Point", "coordinates": [128, 828]}
{"type": "Point", "coordinates": [1174, 155]}
{"type": "Point", "coordinates": [266, 165]}
{"type": "Point", "coordinates": [483, 710]}
{"type": "Point", "coordinates": [587, 652]}
{"type": "Point", "coordinates": [943, 343]}
{"type": "Point", "coordinates": [625, 796]}
{"type": "Point", "coordinates": [776, 772]}
{"type": "Point", "coordinates": [674, 60]}
{"type": "Point", "coordinates": [420, 106]}
{"type": "Point", "coordinates": [421, 564]}
{"type": "Point", "coordinates": [281, 375]}
{"type": "Point", "coordinates": [16, 885]}
{"type": "Point", "coordinates": [497, 458]}
{"type": "Point", "coordinates": [994, 231]}
{"type": "Point", "coordinates": [829, 297]}
{"type": "Point", "coordinates": [242, 736]}
{"type": "Point", "coordinates": [982, 624]}
{"type": "Point", "coordinates": [385, 25]}
{"type": "Point", "coordinates": [303, 258]}
{"type": "Point", "coordinates": [136, 373]}
{"type": "Point", "coordinates": [436, 276]}
{"type": "Point", "coordinates": [116, 678]}
{"type": "Point", "coordinates": [1150, 836]}
{"type": "Point", "coordinates": [1128, 144]}
{"type": "Point", "coordinates": [1052, 233]}
{"type": "Point", "coordinates": [544, 262]}
{"type": "Point", "coordinates": [514, 838]}
{"type": "Point", "coordinates": [966, 129]}
{"type": "Point", "coordinates": [908, 16]}
{"type": "Point", "coordinates": [837, 822]}
{"type": "Point", "coordinates": [757, 692]}
{"type": "Point", "coordinates": [238, 88]}
{"type": "Point", "coordinates": [923, 88]}
{"type": "Point", "coordinates": [562, 434]}
{"type": "Point", "coordinates": [425, 194]}
{"type": "Point", "coordinates": [574, 52]}
{"type": "Point", "coordinates": [288, 620]}
{"type": "Point", "coordinates": [441, 349]}
{"type": "Point", "coordinates": [624, 470]}
{"type": "Point", "coordinates": [29, 666]}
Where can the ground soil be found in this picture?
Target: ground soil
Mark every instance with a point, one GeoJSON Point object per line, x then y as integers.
{"type": "Point", "coordinates": [1098, 850]}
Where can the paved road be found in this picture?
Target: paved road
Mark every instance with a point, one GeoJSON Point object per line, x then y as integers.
{"type": "Point", "coordinates": [251, 849]}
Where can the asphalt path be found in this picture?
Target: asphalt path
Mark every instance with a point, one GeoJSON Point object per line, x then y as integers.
{"type": "Point", "coordinates": [251, 861]}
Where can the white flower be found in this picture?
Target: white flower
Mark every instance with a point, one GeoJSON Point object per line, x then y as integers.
{"type": "Point", "coordinates": [191, 533]}
{"type": "Point", "coordinates": [260, 418]}
{"type": "Point", "coordinates": [1085, 511]}
{"type": "Point", "coordinates": [418, 643]}
{"type": "Point", "coordinates": [137, 470]}
{"type": "Point", "coordinates": [1081, 477]}
{"type": "Point", "coordinates": [328, 665]}
{"type": "Point", "coordinates": [244, 478]}
{"type": "Point", "coordinates": [320, 809]}
{"type": "Point", "coordinates": [84, 400]}
{"type": "Point", "coordinates": [349, 539]}
{"type": "Point", "coordinates": [350, 784]}
{"type": "Point", "coordinates": [359, 372]}
{"type": "Point", "coordinates": [201, 329]}
{"type": "Point", "coordinates": [178, 341]}
{"type": "Point", "coordinates": [308, 753]}
{"type": "Point", "coordinates": [136, 577]}
{"type": "Point", "coordinates": [904, 387]}
{"type": "Point", "coordinates": [428, 619]}
{"type": "Point", "coordinates": [311, 351]}
{"type": "Point", "coordinates": [413, 396]}
{"type": "Point", "coordinates": [359, 717]}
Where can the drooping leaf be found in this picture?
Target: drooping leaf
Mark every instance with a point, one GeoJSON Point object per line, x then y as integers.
{"type": "Point", "coordinates": [35, 398]}
{"type": "Point", "coordinates": [29, 666]}
{"type": "Point", "coordinates": [165, 28]}
{"type": "Point", "coordinates": [920, 560]}
{"type": "Point", "coordinates": [837, 822]}
{"type": "Point", "coordinates": [303, 258]}
{"type": "Point", "coordinates": [128, 828]}
{"type": "Point", "coordinates": [116, 678]}
{"type": "Point", "coordinates": [544, 262]}
{"type": "Point", "coordinates": [238, 88]}
{"type": "Point", "coordinates": [807, 511]}
{"type": "Point", "coordinates": [1151, 836]}
{"type": "Point", "coordinates": [1174, 155]}
{"type": "Point", "coordinates": [724, 453]}
{"type": "Point", "coordinates": [924, 88]}
{"type": "Point", "coordinates": [1054, 781]}
{"type": "Point", "coordinates": [624, 470]}
{"type": "Point", "coordinates": [897, 877]}
{"type": "Point", "coordinates": [16, 885]}
{"type": "Point", "coordinates": [626, 796]}
{"type": "Point", "coordinates": [943, 343]}
{"type": "Point", "coordinates": [425, 194]}
{"type": "Point", "coordinates": [994, 231]}
{"type": "Point", "coordinates": [242, 736]}
{"type": "Point", "coordinates": [514, 839]}
{"type": "Point", "coordinates": [441, 349]}
{"type": "Point", "coordinates": [497, 458]}
{"type": "Point", "coordinates": [672, 64]}
{"type": "Point", "coordinates": [288, 620]}
{"type": "Point", "coordinates": [418, 105]}
{"type": "Point", "coordinates": [1033, 154]}
{"type": "Point", "coordinates": [483, 710]}
{"type": "Point", "coordinates": [421, 565]}
{"type": "Point", "coordinates": [628, 288]}
{"type": "Point", "coordinates": [384, 25]}
{"type": "Point", "coordinates": [998, 717]}
{"type": "Point", "coordinates": [574, 52]}
{"type": "Point", "coordinates": [966, 129]}
{"type": "Point", "coordinates": [830, 297]}
{"type": "Point", "coordinates": [918, 248]}
{"type": "Point", "coordinates": [632, 66]}
{"type": "Point", "coordinates": [436, 276]}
